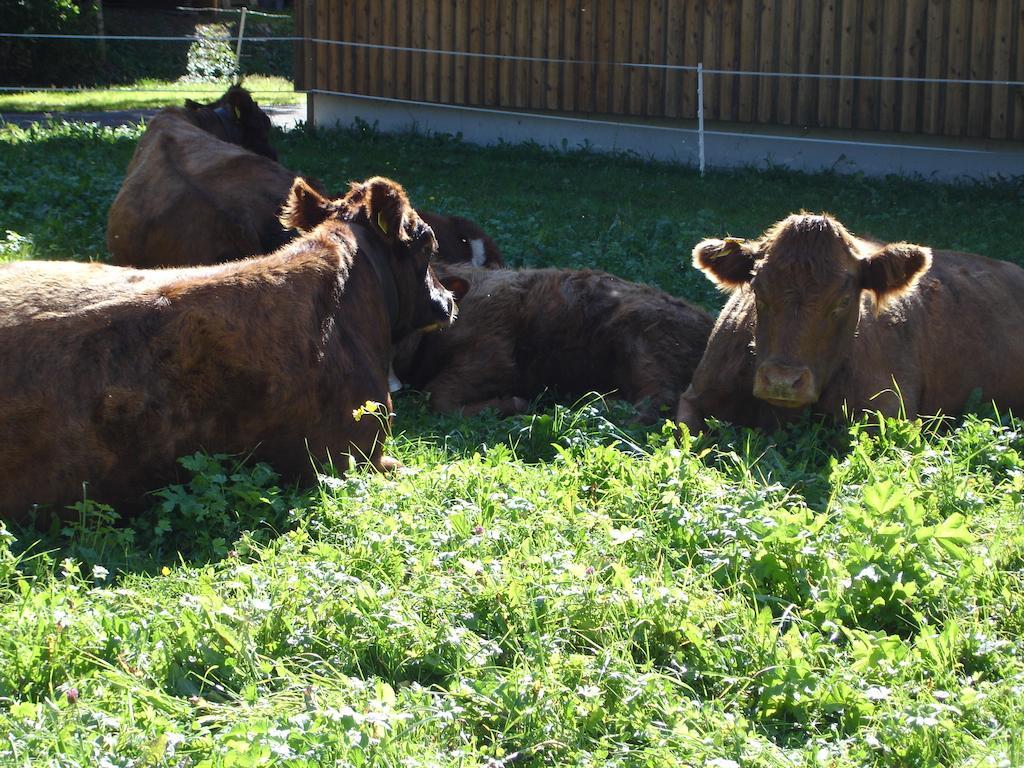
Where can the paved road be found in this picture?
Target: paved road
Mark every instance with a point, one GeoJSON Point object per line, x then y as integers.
{"type": "Point", "coordinates": [285, 117]}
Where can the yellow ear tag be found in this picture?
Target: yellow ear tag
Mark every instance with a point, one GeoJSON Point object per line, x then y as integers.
{"type": "Point", "coordinates": [238, 114]}
{"type": "Point", "coordinates": [734, 241]}
{"type": "Point", "coordinates": [381, 223]}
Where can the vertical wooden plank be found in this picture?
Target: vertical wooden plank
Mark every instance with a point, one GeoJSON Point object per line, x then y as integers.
{"type": "Point", "coordinates": [299, 47]}
{"type": "Point", "coordinates": [553, 50]}
{"type": "Point", "coordinates": [935, 42]}
{"type": "Point", "coordinates": [807, 87]}
{"type": "Point", "coordinates": [323, 50]}
{"type": "Point", "coordinates": [912, 94]}
{"type": "Point", "coordinates": [787, 62]}
{"type": "Point", "coordinates": [348, 35]}
{"type": "Point", "coordinates": [1001, 62]}
{"type": "Point", "coordinates": [571, 74]}
{"type": "Point", "coordinates": [693, 52]}
{"type": "Point", "coordinates": [460, 65]}
{"type": "Point", "coordinates": [489, 67]}
{"type": "Point", "coordinates": [538, 44]}
{"type": "Point", "coordinates": [585, 53]}
{"type": "Point", "coordinates": [767, 87]}
{"type": "Point", "coordinates": [507, 47]}
{"type": "Point", "coordinates": [387, 58]}
{"type": "Point", "coordinates": [848, 61]}
{"type": "Point", "coordinates": [417, 60]}
{"type": "Point", "coordinates": [622, 19]}
{"type": "Point", "coordinates": [446, 42]}
{"type": "Point", "coordinates": [360, 69]}
{"type": "Point", "coordinates": [343, 32]}
{"type": "Point", "coordinates": [827, 58]}
{"type": "Point", "coordinates": [638, 55]}
{"type": "Point", "coordinates": [982, 40]}
{"type": "Point", "coordinates": [892, 59]}
{"type": "Point", "coordinates": [334, 32]}
{"type": "Point", "coordinates": [400, 38]}
{"type": "Point", "coordinates": [711, 55]}
{"type": "Point", "coordinates": [867, 90]}
{"type": "Point", "coordinates": [656, 55]}
{"type": "Point", "coordinates": [432, 62]}
{"type": "Point", "coordinates": [730, 59]}
{"type": "Point", "coordinates": [373, 55]}
{"type": "Point", "coordinates": [674, 55]}
{"type": "Point", "coordinates": [470, 32]}
{"type": "Point", "coordinates": [1017, 95]}
{"type": "Point", "coordinates": [522, 48]}
{"type": "Point", "coordinates": [957, 66]}
{"type": "Point", "coordinates": [604, 52]}
{"type": "Point", "coordinates": [460, 43]}
{"type": "Point", "coordinates": [747, 85]}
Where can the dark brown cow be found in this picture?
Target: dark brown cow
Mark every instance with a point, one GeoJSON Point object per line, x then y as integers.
{"type": "Point", "coordinates": [190, 197]}
{"type": "Point", "coordinates": [823, 320]}
{"type": "Point", "coordinates": [461, 241]}
{"type": "Point", "coordinates": [573, 332]}
{"type": "Point", "coordinates": [111, 373]}
{"type": "Point", "coordinates": [203, 187]}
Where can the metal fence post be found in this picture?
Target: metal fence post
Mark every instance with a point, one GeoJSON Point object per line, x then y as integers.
{"type": "Point", "coordinates": [700, 115]}
{"type": "Point", "coordinates": [241, 34]}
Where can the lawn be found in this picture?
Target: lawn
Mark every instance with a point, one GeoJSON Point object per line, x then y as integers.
{"type": "Point", "coordinates": [144, 94]}
{"type": "Point", "coordinates": [564, 588]}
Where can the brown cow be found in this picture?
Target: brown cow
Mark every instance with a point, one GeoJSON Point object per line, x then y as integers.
{"type": "Point", "coordinates": [461, 241]}
{"type": "Point", "coordinates": [522, 332]}
{"type": "Point", "coordinates": [193, 195]}
{"type": "Point", "coordinates": [111, 373]}
{"type": "Point", "coordinates": [823, 320]}
{"type": "Point", "coordinates": [202, 187]}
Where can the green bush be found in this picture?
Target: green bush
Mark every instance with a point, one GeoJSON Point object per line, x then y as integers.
{"type": "Point", "coordinates": [48, 62]}
{"type": "Point", "coordinates": [211, 57]}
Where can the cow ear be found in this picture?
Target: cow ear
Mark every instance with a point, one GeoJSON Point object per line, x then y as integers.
{"type": "Point", "coordinates": [192, 104]}
{"type": "Point", "coordinates": [239, 100]}
{"type": "Point", "coordinates": [386, 206]}
{"type": "Point", "coordinates": [458, 286]}
{"type": "Point", "coordinates": [305, 208]}
{"type": "Point", "coordinates": [893, 271]}
{"type": "Point", "coordinates": [727, 263]}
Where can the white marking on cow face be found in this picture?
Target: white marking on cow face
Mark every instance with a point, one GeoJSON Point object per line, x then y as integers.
{"type": "Point", "coordinates": [479, 254]}
{"type": "Point", "coordinates": [394, 383]}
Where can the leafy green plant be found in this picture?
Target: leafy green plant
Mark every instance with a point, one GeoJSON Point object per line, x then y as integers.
{"type": "Point", "coordinates": [46, 62]}
{"type": "Point", "coordinates": [211, 58]}
{"type": "Point", "coordinates": [204, 516]}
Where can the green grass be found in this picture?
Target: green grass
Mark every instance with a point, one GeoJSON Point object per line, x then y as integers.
{"type": "Point", "coordinates": [145, 94]}
{"type": "Point", "coordinates": [562, 588]}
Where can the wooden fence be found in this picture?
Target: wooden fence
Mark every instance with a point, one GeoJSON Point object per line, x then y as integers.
{"type": "Point", "coordinates": [596, 40]}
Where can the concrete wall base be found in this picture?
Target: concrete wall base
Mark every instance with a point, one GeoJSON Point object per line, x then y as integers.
{"type": "Point", "coordinates": [726, 145]}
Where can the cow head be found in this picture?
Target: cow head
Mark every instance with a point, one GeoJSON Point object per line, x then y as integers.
{"type": "Point", "coordinates": [402, 244]}
{"type": "Point", "coordinates": [236, 118]}
{"type": "Point", "coordinates": [806, 276]}
{"type": "Point", "coordinates": [461, 241]}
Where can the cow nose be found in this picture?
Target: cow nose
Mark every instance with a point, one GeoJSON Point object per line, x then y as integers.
{"type": "Point", "coordinates": [789, 386]}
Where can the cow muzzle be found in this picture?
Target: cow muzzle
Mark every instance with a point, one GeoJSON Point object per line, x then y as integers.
{"type": "Point", "coordinates": [443, 310]}
{"type": "Point", "coordinates": [785, 386]}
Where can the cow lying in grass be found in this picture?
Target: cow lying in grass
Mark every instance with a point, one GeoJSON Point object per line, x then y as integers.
{"type": "Point", "coordinates": [820, 319]}
{"type": "Point", "coordinates": [572, 332]}
{"type": "Point", "coordinates": [203, 187]}
{"type": "Point", "coordinates": [110, 374]}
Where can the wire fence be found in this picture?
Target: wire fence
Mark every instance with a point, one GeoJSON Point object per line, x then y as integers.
{"type": "Point", "coordinates": [700, 131]}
